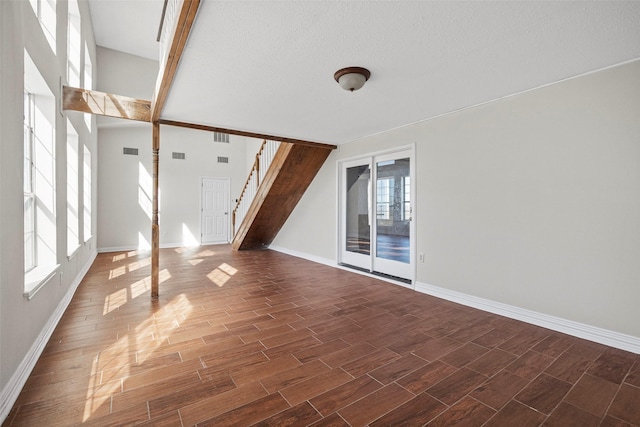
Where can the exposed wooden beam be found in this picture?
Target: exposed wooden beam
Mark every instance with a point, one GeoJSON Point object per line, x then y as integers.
{"type": "Point", "coordinates": [246, 133]}
{"type": "Point", "coordinates": [155, 226]}
{"type": "Point", "coordinates": [105, 104]}
{"type": "Point", "coordinates": [183, 27]}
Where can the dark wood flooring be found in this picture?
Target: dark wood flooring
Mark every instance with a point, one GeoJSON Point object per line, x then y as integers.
{"type": "Point", "coordinates": [262, 338]}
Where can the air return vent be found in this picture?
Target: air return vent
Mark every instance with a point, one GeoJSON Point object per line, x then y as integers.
{"type": "Point", "coordinates": [130, 151]}
{"type": "Point", "coordinates": [223, 159]}
{"type": "Point", "coordinates": [221, 137]}
{"type": "Point", "coordinates": [179, 156]}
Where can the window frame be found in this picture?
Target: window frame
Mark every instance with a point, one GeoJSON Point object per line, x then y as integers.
{"type": "Point", "coordinates": [29, 182]}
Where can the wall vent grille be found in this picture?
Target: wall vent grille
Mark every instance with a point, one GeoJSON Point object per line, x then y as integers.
{"type": "Point", "coordinates": [179, 156]}
{"type": "Point", "coordinates": [221, 137]}
{"type": "Point", "coordinates": [223, 159]}
{"type": "Point", "coordinates": [130, 151]}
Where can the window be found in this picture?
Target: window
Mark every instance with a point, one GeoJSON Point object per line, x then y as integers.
{"type": "Point", "coordinates": [74, 45]}
{"type": "Point", "coordinates": [88, 81]}
{"type": "Point", "coordinates": [73, 226]}
{"type": "Point", "coordinates": [86, 192]}
{"type": "Point", "coordinates": [406, 199]}
{"type": "Point", "coordinates": [40, 232]}
{"type": "Point", "coordinates": [45, 11]}
{"type": "Point", "coordinates": [29, 196]}
{"type": "Point", "coordinates": [384, 194]}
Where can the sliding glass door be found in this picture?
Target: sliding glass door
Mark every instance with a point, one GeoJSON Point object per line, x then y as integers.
{"type": "Point", "coordinates": [376, 214]}
{"type": "Point", "coordinates": [356, 239]}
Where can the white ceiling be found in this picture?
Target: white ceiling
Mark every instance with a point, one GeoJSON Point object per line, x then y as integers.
{"type": "Point", "coordinates": [129, 26]}
{"type": "Point", "coordinates": [268, 66]}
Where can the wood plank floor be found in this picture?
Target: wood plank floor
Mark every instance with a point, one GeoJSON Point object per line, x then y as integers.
{"type": "Point", "coordinates": [262, 338]}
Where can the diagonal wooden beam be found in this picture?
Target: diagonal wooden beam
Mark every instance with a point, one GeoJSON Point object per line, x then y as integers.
{"type": "Point", "coordinates": [105, 104]}
{"type": "Point", "coordinates": [247, 133]}
{"type": "Point", "coordinates": [185, 20]}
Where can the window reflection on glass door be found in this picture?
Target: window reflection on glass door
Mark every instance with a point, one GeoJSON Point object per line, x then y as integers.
{"type": "Point", "coordinates": [393, 209]}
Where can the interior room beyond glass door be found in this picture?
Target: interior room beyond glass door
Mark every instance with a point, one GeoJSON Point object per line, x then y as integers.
{"type": "Point", "coordinates": [392, 228]}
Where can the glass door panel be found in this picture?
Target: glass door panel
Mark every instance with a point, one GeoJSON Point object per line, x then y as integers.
{"type": "Point", "coordinates": [356, 244]}
{"type": "Point", "coordinates": [393, 215]}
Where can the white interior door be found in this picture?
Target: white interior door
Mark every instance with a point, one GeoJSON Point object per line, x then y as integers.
{"type": "Point", "coordinates": [215, 210]}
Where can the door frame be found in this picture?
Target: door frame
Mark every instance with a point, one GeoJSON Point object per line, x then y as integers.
{"type": "Point", "coordinates": [370, 158]}
{"type": "Point", "coordinates": [228, 219]}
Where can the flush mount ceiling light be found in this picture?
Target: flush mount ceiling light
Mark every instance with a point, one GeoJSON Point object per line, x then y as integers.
{"type": "Point", "coordinates": [352, 78]}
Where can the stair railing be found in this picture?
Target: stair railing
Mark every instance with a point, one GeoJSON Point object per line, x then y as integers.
{"type": "Point", "coordinates": [263, 159]}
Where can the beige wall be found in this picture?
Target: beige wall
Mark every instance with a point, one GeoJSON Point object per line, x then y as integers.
{"type": "Point", "coordinates": [531, 201]}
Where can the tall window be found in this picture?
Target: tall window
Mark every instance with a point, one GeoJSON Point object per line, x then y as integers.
{"type": "Point", "coordinates": [88, 81]}
{"type": "Point", "coordinates": [86, 192]}
{"type": "Point", "coordinates": [39, 179]}
{"type": "Point", "coordinates": [45, 11]}
{"type": "Point", "coordinates": [74, 45]}
{"type": "Point", "coordinates": [73, 236]}
{"type": "Point", "coordinates": [29, 194]}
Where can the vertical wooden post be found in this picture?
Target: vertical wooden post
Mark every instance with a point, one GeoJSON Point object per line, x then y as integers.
{"type": "Point", "coordinates": [257, 168]}
{"type": "Point", "coordinates": [155, 227]}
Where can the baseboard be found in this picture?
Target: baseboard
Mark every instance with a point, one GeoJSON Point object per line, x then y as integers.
{"type": "Point", "coordinates": [332, 263]}
{"type": "Point", "coordinates": [303, 255]}
{"type": "Point", "coordinates": [569, 327]}
{"type": "Point", "coordinates": [11, 391]}
{"type": "Point", "coordinates": [121, 249]}
{"type": "Point", "coordinates": [162, 246]}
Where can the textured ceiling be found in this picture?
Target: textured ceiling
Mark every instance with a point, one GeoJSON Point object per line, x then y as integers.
{"type": "Point", "coordinates": [268, 67]}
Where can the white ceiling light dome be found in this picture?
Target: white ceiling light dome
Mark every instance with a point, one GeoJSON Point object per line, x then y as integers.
{"type": "Point", "coordinates": [352, 78]}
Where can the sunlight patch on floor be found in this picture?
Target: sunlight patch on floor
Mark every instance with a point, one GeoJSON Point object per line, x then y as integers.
{"type": "Point", "coordinates": [130, 346]}
{"type": "Point", "coordinates": [115, 300]}
{"type": "Point", "coordinates": [228, 269]}
{"type": "Point", "coordinates": [206, 252]}
{"type": "Point", "coordinates": [122, 296]}
{"type": "Point", "coordinates": [221, 275]}
{"type": "Point", "coordinates": [117, 272]}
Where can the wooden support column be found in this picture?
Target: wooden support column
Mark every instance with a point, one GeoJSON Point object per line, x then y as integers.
{"type": "Point", "coordinates": [155, 226]}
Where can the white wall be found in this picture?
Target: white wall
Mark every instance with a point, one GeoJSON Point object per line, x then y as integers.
{"type": "Point", "coordinates": [125, 187]}
{"type": "Point", "coordinates": [531, 201]}
{"type": "Point", "coordinates": [124, 181]}
{"type": "Point", "coordinates": [126, 75]}
{"type": "Point", "coordinates": [26, 324]}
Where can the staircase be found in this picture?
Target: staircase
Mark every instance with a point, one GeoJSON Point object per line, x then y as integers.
{"type": "Point", "coordinates": [269, 196]}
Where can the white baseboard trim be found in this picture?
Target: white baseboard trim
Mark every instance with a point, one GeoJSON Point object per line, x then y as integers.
{"type": "Point", "coordinates": [332, 263]}
{"type": "Point", "coordinates": [162, 246]}
{"type": "Point", "coordinates": [11, 391]}
{"type": "Point", "coordinates": [121, 249]}
{"type": "Point", "coordinates": [303, 255]}
{"type": "Point", "coordinates": [569, 327]}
